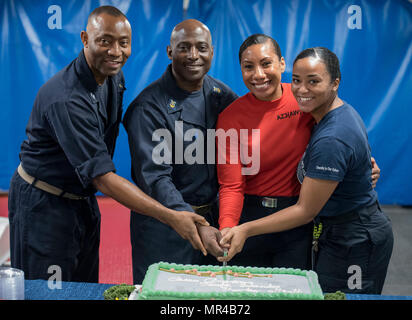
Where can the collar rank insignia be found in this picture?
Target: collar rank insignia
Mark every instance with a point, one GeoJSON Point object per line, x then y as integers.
{"type": "Point", "coordinates": [172, 103]}
{"type": "Point", "coordinates": [216, 89]}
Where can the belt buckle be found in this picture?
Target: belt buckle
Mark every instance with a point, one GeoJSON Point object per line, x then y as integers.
{"type": "Point", "coordinates": [269, 202]}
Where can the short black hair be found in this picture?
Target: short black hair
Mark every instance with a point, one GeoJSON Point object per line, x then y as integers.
{"type": "Point", "coordinates": [110, 10]}
{"type": "Point", "coordinates": [259, 38]}
{"type": "Point", "coordinates": [330, 60]}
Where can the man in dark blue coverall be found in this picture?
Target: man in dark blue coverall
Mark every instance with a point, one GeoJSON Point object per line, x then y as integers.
{"type": "Point", "coordinates": [67, 157]}
{"type": "Point", "coordinates": [172, 154]}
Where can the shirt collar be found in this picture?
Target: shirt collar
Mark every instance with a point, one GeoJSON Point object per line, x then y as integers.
{"type": "Point", "coordinates": [85, 73]}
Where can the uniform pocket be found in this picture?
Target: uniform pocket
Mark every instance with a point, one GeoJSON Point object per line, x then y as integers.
{"type": "Point", "coordinates": [349, 241]}
{"type": "Point", "coordinates": [379, 228]}
{"type": "Point", "coordinates": [52, 226]}
{"type": "Point", "coordinates": [343, 248]}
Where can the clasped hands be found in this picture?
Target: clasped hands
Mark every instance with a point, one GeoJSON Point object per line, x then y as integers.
{"type": "Point", "coordinates": [216, 241]}
{"type": "Point", "coordinates": [194, 228]}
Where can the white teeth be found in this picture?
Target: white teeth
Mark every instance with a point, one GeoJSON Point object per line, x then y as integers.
{"type": "Point", "coordinates": [305, 99]}
{"type": "Point", "coordinates": [261, 86]}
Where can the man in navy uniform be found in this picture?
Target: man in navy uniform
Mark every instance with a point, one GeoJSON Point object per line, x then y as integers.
{"type": "Point", "coordinates": [67, 157]}
{"type": "Point", "coordinates": [184, 102]}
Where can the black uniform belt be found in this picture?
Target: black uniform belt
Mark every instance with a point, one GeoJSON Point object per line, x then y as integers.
{"type": "Point", "coordinates": [349, 216]}
{"type": "Point", "coordinates": [45, 186]}
{"type": "Point", "coordinates": [203, 209]}
{"type": "Point", "coordinates": [269, 202]}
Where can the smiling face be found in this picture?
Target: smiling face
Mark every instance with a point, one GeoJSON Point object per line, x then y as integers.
{"type": "Point", "coordinates": [262, 70]}
{"type": "Point", "coordinates": [107, 45]}
{"type": "Point", "coordinates": [191, 53]}
{"type": "Point", "coordinates": [313, 87]}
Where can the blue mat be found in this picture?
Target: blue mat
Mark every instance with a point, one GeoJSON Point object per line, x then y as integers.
{"type": "Point", "coordinates": [39, 290]}
{"type": "Point", "coordinates": [375, 297]}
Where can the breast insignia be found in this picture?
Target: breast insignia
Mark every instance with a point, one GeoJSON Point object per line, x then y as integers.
{"type": "Point", "coordinates": [216, 90]}
{"type": "Point", "coordinates": [172, 104]}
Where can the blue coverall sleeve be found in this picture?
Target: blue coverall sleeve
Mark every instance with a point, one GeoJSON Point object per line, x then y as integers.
{"type": "Point", "coordinates": [77, 131]}
{"type": "Point", "coordinates": [329, 159]}
{"type": "Point", "coordinates": [153, 177]}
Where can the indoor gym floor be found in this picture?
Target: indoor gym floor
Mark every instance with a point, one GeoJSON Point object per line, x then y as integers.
{"type": "Point", "coordinates": [115, 249]}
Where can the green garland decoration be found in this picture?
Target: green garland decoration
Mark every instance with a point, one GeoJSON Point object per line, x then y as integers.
{"type": "Point", "coordinates": [118, 292]}
{"type": "Point", "coordinates": [338, 295]}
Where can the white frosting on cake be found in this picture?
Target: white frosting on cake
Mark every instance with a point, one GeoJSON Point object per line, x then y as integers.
{"type": "Point", "coordinates": [285, 283]}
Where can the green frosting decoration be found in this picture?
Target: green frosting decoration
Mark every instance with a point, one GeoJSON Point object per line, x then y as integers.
{"type": "Point", "coordinates": [148, 291]}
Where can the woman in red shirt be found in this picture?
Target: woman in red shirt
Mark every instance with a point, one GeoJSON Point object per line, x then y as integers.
{"type": "Point", "coordinates": [284, 132]}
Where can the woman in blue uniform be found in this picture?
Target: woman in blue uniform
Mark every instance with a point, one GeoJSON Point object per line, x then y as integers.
{"type": "Point", "coordinates": [353, 238]}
